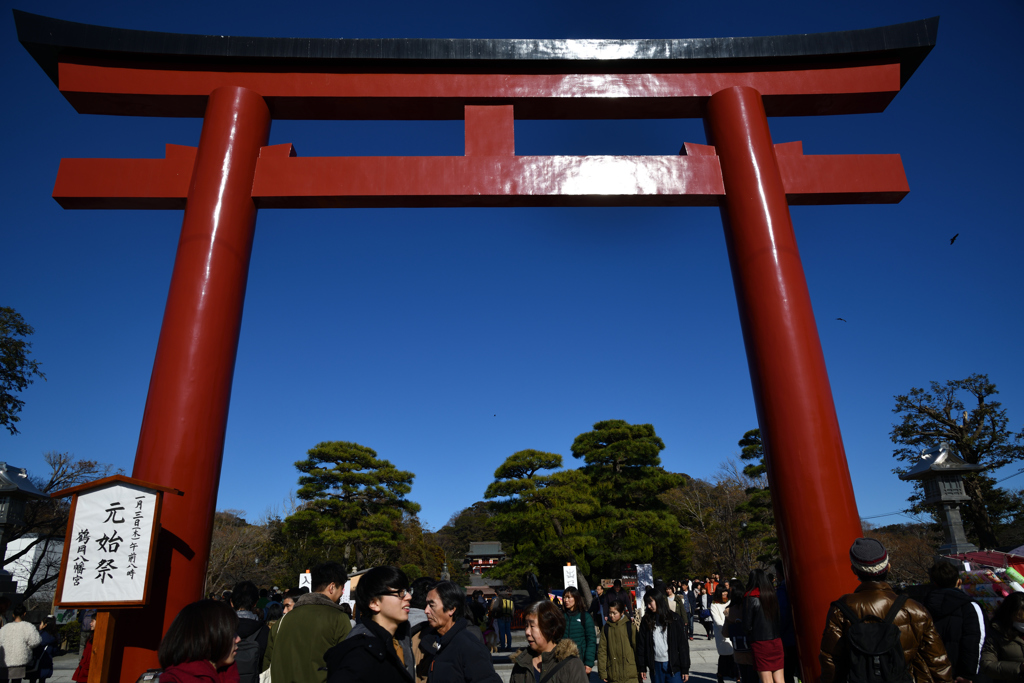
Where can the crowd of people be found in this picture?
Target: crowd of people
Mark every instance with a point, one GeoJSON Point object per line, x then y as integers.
{"type": "Point", "coordinates": [427, 631]}
{"type": "Point", "coordinates": [431, 632]}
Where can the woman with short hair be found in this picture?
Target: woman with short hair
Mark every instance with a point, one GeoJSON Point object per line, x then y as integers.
{"type": "Point", "coordinates": [200, 645]}
{"type": "Point", "coordinates": [549, 658]}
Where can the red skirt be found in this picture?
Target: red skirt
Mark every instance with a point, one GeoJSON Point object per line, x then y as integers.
{"type": "Point", "coordinates": [768, 654]}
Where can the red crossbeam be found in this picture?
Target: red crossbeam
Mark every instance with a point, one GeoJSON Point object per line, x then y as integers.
{"type": "Point", "coordinates": [286, 181]}
{"type": "Point", "coordinates": [169, 91]}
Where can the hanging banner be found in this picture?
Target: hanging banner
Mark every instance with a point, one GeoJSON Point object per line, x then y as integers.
{"type": "Point", "coordinates": [569, 576]}
{"type": "Point", "coordinates": [108, 549]}
{"type": "Point", "coordinates": [644, 579]}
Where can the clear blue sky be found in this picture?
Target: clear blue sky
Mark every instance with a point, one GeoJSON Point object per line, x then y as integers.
{"type": "Point", "coordinates": [449, 339]}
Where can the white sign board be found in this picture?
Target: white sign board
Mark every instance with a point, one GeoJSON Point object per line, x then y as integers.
{"type": "Point", "coordinates": [569, 576]}
{"type": "Point", "coordinates": [110, 541]}
{"type": "Point", "coordinates": [306, 580]}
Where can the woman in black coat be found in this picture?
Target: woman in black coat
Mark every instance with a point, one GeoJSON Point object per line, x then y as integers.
{"type": "Point", "coordinates": [662, 646]}
{"type": "Point", "coordinates": [368, 654]}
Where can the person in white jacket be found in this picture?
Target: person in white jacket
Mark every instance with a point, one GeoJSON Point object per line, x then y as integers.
{"type": "Point", "coordinates": [16, 642]}
{"type": "Point", "coordinates": [719, 605]}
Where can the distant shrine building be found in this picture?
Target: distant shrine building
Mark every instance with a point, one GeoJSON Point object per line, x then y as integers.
{"type": "Point", "coordinates": [482, 555]}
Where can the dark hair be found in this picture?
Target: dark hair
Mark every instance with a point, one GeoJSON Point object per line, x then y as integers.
{"type": "Point", "coordinates": [19, 610]}
{"type": "Point", "coordinates": [943, 574]}
{"type": "Point", "coordinates": [769, 601]}
{"type": "Point", "coordinates": [420, 588]}
{"type": "Point", "coordinates": [577, 599]}
{"type": "Point", "coordinates": [550, 620]}
{"type": "Point", "coordinates": [327, 573]}
{"type": "Point", "coordinates": [736, 587]}
{"type": "Point", "coordinates": [294, 594]}
{"type": "Point", "coordinates": [377, 582]}
{"type": "Point", "coordinates": [202, 632]}
{"type": "Point", "coordinates": [451, 597]}
{"type": "Point", "coordinates": [244, 595]}
{"type": "Point", "coordinates": [1007, 611]}
{"type": "Point", "coordinates": [617, 584]}
{"type": "Point", "coordinates": [718, 594]}
{"type": "Point", "coordinates": [50, 626]}
{"type": "Point", "coordinates": [619, 605]}
{"type": "Point", "coordinates": [662, 614]}
{"type": "Point", "coordinates": [264, 593]}
{"type": "Point", "coordinates": [346, 608]}
{"type": "Point", "coordinates": [275, 611]}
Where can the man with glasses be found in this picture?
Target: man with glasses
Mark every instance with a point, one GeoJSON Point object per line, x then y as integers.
{"type": "Point", "coordinates": [378, 650]}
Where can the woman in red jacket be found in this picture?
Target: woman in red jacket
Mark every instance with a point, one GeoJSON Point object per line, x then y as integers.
{"type": "Point", "coordinates": [200, 645]}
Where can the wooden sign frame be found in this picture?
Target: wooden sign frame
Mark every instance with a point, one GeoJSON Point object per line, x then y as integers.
{"type": "Point", "coordinates": [75, 491]}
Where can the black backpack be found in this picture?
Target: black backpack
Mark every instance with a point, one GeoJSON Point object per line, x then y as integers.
{"type": "Point", "coordinates": [876, 653]}
{"type": "Point", "coordinates": [248, 658]}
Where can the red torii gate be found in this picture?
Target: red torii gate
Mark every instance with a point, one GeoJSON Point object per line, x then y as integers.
{"type": "Point", "coordinates": [238, 85]}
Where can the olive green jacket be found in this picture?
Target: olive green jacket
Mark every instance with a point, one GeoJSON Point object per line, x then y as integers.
{"type": "Point", "coordinates": [616, 653]}
{"type": "Point", "coordinates": [1003, 654]}
{"type": "Point", "coordinates": [295, 653]}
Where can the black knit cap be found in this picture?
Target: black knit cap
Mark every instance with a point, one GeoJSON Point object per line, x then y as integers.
{"type": "Point", "coordinates": [868, 556]}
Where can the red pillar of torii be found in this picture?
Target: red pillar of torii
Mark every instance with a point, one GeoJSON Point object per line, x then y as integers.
{"type": "Point", "coordinates": [239, 85]}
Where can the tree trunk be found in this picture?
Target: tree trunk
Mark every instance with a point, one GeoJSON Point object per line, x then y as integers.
{"type": "Point", "coordinates": [977, 514]}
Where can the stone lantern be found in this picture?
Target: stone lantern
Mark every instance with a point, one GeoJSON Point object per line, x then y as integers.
{"type": "Point", "coordinates": [15, 491]}
{"type": "Point", "coordinates": [941, 473]}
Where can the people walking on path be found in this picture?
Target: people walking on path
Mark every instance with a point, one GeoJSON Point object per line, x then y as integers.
{"type": "Point", "coordinates": [579, 627]}
{"type": "Point", "coordinates": [719, 606]}
{"type": "Point", "coordinates": [662, 649]}
{"type": "Point", "coordinates": [616, 653]}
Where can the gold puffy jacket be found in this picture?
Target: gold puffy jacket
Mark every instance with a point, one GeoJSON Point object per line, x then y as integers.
{"type": "Point", "coordinates": [922, 646]}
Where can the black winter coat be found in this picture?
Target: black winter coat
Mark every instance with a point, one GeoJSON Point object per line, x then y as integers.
{"type": "Point", "coordinates": [959, 624]}
{"type": "Point", "coordinates": [459, 656]}
{"type": "Point", "coordinates": [678, 646]}
{"type": "Point", "coordinates": [367, 655]}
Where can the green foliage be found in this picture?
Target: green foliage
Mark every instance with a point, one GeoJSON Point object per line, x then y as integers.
{"type": "Point", "coordinates": [354, 504]}
{"type": "Point", "coordinates": [633, 524]}
{"type": "Point", "coordinates": [70, 633]}
{"type": "Point", "coordinates": [540, 519]}
{"type": "Point", "coordinates": [760, 516]}
{"type": "Point", "coordinates": [16, 368]}
{"type": "Point", "coordinates": [976, 431]}
{"type": "Point", "coordinates": [604, 515]}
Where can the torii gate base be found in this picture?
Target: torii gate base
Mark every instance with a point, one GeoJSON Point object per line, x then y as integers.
{"type": "Point", "coordinates": [489, 83]}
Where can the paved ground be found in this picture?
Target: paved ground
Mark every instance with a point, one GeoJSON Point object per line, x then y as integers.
{"type": "Point", "coordinates": [703, 661]}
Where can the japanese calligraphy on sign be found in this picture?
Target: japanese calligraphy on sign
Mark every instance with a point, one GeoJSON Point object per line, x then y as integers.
{"type": "Point", "coordinates": [111, 533]}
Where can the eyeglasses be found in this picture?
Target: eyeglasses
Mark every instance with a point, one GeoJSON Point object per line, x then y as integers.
{"type": "Point", "coordinates": [401, 593]}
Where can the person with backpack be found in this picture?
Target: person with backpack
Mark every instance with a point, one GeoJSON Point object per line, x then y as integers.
{"type": "Point", "coordinates": [508, 610]}
{"type": "Point", "coordinates": [253, 633]}
{"type": "Point", "coordinates": [958, 619]}
{"type": "Point", "coordinates": [874, 635]}
{"type": "Point", "coordinates": [579, 627]}
{"type": "Point", "coordinates": [616, 653]}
